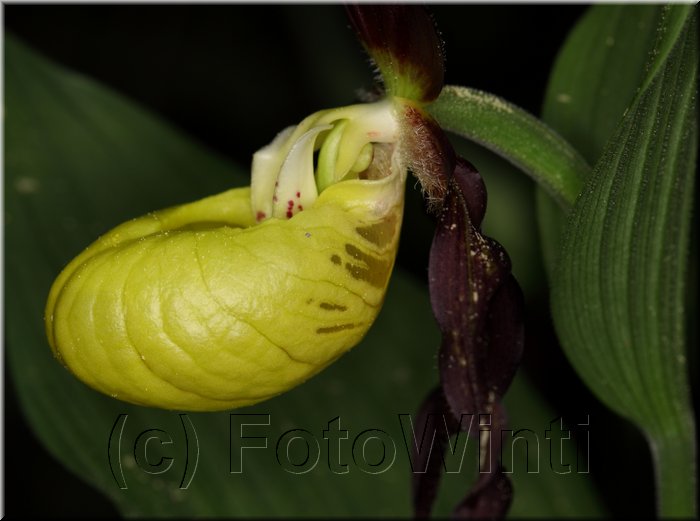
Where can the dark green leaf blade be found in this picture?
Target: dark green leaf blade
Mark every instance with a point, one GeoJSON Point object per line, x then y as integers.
{"type": "Point", "coordinates": [618, 292]}
{"type": "Point", "coordinates": [602, 65]}
{"type": "Point", "coordinates": [600, 68]}
{"type": "Point", "coordinates": [79, 160]}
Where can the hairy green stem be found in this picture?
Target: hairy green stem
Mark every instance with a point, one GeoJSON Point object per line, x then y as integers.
{"type": "Point", "coordinates": [515, 135]}
{"type": "Point", "coordinates": [675, 463]}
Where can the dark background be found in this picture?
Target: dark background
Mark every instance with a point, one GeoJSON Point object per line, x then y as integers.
{"type": "Point", "coordinates": [265, 67]}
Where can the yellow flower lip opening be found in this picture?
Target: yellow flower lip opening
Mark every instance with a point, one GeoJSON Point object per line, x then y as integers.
{"type": "Point", "coordinates": [207, 306]}
{"type": "Point", "coordinates": [284, 177]}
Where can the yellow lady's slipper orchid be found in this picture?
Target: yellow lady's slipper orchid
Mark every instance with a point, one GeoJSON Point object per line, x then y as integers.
{"type": "Point", "coordinates": [238, 297]}
{"type": "Point", "coordinates": [233, 299]}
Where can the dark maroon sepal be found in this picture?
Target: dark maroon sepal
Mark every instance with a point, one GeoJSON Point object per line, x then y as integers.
{"type": "Point", "coordinates": [489, 499]}
{"type": "Point", "coordinates": [404, 44]}
{"type": "Point", "coordinates": [491, 495]}
{"type": "Point", "coordinates": [478, 306]}
{"type": "Point", "coordinates": [476, 302]}
{"type": "Point", "coordinates": [506, 333]}
{"type": "Point", "coordinates": [439, 424]}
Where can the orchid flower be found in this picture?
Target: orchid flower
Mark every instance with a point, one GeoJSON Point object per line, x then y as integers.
{"type": "Point", "coordinates": [238, 297]}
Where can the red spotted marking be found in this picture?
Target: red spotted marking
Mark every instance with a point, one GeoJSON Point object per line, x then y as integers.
{"type": "Point", "coordinates": [260, 216]}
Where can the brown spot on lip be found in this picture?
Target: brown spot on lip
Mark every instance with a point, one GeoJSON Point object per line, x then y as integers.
{"type": "Point", "coordinates": [334, 329]}
{"type": "Point", "coordinates": [332, 307]}
{"type": "Point", "coordinates": [381, 233]}
{"type": "Point", "coordinates": [335, 259]}
{"type": "Point", "coordinates": [376, 271]}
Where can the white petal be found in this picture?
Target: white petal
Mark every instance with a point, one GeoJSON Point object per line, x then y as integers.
{"type": "Point", "coordinates": [265, 169]}
{"type": "Point", "coordinates": [296, 185]}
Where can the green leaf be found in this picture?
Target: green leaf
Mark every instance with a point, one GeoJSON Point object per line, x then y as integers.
{"type": "Point", "coordinates": [516, 136]}
{"type": "Point", "coordinates": [603, 63]}
{"type": "Point", "coordinates": [618, 294]}
{"type": "Point", "coordinates": [81, 159]}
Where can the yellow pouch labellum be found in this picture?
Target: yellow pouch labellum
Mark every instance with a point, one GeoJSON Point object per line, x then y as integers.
{"type": "Point", "coordinates": [200, 307]}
